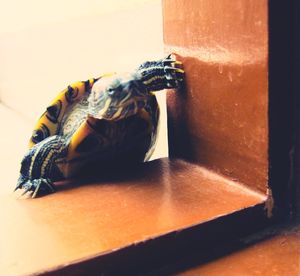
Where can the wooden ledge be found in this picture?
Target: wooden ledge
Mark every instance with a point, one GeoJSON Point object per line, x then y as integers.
{"type": "Point", "coordinates": [82, 221]}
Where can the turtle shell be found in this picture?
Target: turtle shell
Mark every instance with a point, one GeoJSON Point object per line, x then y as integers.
{"type": "Point", "coordinates": [90, 137]}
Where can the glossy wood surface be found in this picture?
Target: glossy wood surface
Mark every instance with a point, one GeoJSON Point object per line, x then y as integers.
{"type": "Point", "coordinates": [221, 119]}
{"type": "Point", "coordinates": [275, 255]}
{"type": "Point", "coordinates": [84, 220]}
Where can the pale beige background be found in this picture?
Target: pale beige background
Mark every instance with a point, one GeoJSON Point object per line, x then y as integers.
{"type": "Point", "coordinates": [45, 45]}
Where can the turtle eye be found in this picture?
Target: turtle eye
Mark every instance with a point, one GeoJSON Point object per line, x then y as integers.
{"type": "Point", "coordinates": [110, 91]}
{"type": "Point", "coordinates": [114, 87]}
{"type": "Point", "coordinates": [114, 91]}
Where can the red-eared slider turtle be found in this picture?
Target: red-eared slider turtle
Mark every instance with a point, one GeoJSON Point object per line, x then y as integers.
{"type": "Point", "coordinates": [98, 121]}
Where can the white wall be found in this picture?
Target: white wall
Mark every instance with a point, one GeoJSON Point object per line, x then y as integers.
{"type": "Point", "coordinates": [19, 14]}
{"type": "Point", "coordinates": [47, 44]}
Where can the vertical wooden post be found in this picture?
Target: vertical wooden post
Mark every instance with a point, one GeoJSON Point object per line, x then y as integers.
{"type": "Point", "coordinates": [223, 122]}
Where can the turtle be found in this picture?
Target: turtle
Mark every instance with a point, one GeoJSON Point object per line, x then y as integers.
{"type": "Point", "coordinates": [101, 121]}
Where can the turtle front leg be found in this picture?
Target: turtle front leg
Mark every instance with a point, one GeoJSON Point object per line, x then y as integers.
{"type": "Point", "coordinates": [36, 187]}
{"type": "Point", "coordinates": [162, 74]}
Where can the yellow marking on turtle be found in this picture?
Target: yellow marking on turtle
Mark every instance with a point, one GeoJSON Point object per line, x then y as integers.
{"type": "Point", "coordinates": [153, 79]}
{"type": "Point", "coordinates": [53, 127]}
{"type": "Point", "coordinates": [147, 82]}
{"type": "Point", "coordinates": [66, 167]}
{"type": "Point", "coordinates": [126, 98]}
{"type": "Point", "coordinates": [45, 163]}
{"type": "Point", "coordinates": [118, 113]}
{"type": "Point", "coordinates": [34, 157]}
{"type": "Point", "coordinates": [106, 106]}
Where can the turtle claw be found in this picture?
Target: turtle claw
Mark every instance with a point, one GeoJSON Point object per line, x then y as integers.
{"type": "Point", "coordinates": [174, 76]}
{"type": "Point", "coordinates": [36, 186]}
{"type": "Point", "coordinates": [25, 191]}
{"type": "Point", "coordinates": [178, 62]}
{"type": "Point", "coordinates": [21, 181]}
{"type": "Point", "coordinates": [17, 188]}
{"type": "Point", "coordinates": [36, 190]}
{"type": "Point", "coordinates": [173, 71]}
{"type": "Point", "coordinates": [172, 62]}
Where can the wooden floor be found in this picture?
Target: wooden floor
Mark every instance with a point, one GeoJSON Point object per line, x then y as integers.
{"type": "Point", "coordinates": [274, 251]}
{"type": "Point", "coordinates": [82, 220]}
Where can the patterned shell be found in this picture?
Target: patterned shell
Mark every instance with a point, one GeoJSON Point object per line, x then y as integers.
{"type": "Point", "coordinates": [92, 139]}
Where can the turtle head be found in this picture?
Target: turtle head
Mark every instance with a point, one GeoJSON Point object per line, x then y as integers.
{"type": "Point", "coordinates": [38, 164]}
{"type": "Point", "coordinates": [120, 98]}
